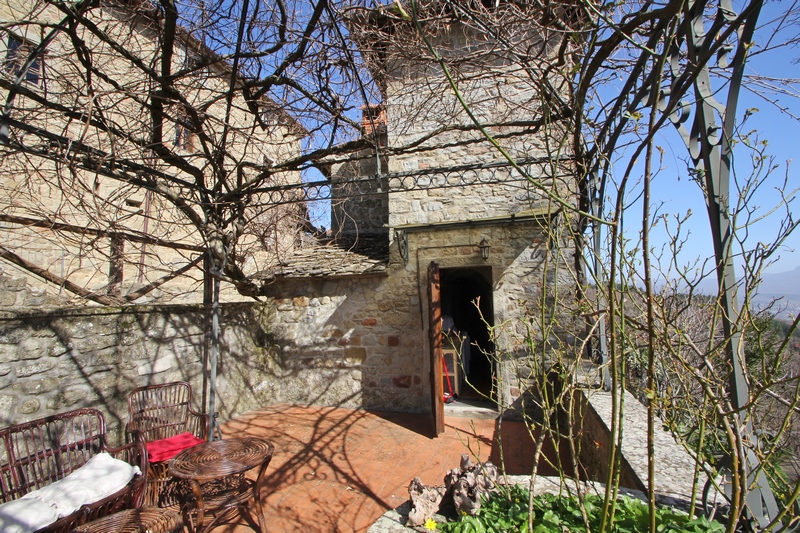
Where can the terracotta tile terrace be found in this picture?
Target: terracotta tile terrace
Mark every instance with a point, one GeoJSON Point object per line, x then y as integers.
{"type": "Point", "coordinates": [339, 470]}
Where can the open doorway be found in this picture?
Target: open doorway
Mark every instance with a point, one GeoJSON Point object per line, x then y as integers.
{"type": "Point", "coordinates": [461, 288]}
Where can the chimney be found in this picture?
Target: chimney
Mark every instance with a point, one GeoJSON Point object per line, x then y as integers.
{"type": "Point", "coordinates": [373, 121]}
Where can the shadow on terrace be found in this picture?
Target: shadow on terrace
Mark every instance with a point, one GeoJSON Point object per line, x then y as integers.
{"type": "Point", "coordinates": [339, 470]}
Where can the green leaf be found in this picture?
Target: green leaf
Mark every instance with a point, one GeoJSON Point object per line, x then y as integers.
{"type": "Point", "coordinates": [508, 513]}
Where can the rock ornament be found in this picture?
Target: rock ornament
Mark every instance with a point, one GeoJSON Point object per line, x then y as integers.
{"type": "Point", "coordinates": [461, 493]}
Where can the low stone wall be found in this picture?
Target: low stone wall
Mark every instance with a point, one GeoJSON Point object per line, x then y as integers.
{"type": "Point", "coordinates": [351, 342]}
{"type": "Point", "coordinates": [52, 360]}
{"type": "Point", "coordinates": [674, 467]}
{"type": "Point", "coordinates": [593, 430]}
{"type": "Point", "coordinates": [60, 359]}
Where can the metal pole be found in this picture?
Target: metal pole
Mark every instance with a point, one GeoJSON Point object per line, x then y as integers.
{"type": "Point", "coordinates": [710, 148]}
{"type": "Point", "coordinates": [212, 382]}
{"type": "Point", "coordinates": [600, 280]}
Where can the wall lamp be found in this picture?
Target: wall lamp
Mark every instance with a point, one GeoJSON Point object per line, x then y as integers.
{"type": "Point", "coordinates": [484, 247]}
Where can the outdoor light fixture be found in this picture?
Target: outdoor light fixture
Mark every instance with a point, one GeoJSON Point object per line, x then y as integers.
{"type": "Point", "coordinates": [484, 247]}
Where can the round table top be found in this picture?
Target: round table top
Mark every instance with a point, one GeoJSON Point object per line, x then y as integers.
{"type": "Point", "coordinates": [220, 458]}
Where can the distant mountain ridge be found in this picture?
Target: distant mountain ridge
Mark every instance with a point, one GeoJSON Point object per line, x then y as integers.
{"type": "Point", "coordinates": [781, 286]}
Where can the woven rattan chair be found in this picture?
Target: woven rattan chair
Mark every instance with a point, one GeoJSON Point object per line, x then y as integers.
{"type": "Point", "coordinates": [43, 451]}
{"type": "Point", "coordinates": [149, 519]}
{"type": "Point", "coordinates": [159, 414]}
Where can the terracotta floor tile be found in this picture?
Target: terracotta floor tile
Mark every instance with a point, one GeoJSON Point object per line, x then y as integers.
{"type": "Point", "coordinates": [339, 470]}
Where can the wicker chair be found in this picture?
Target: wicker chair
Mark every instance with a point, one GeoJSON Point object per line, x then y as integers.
{"type": "Point", "coordinates": [158, 413]}
{"type": "Point", "coordinates": [38, 453]}
{"type": "Point", "coordinates": [149, 519]}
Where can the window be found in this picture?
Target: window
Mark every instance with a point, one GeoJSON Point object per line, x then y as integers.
{"type": "Point", "coordinates": [269, 120]}
{"type": "Point", "coordinates": [196, 64]}
{"type": "Point", "coordinates": [17, 53]}
{"type": "Point", "coordinates": [194, 61]}
{"type": "Point", "coordinates": [183, 136]}
{"type": "Point", "coordinates": [184, 132]}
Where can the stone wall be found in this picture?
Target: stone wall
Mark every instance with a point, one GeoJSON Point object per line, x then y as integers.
{"type": "Point", "coordinates": [60, 359]}
{"type": "Point", "coordinates": [352, 342]}
{"type": "Point", "coordinates": [294, 349]}
{"type": "Point", "coordinates": [363, 341]}
{"type": "Point", "coordinates": [593, 439]}
{"type": "Point", "coordinates": [674, 467]}
{"type": "Point", "coordinates": [355, 342]}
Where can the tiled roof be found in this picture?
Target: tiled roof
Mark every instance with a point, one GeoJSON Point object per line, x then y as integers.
{"type": "Point", "coordinates": [318, 259]}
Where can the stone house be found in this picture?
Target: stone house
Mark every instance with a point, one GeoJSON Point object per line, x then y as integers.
{"type": "Point", "coordinates": [432, 228]}
{"type": "Point", "coordinates": [98, 226]}
{"type": "Point", "coordinates": [435, 226]}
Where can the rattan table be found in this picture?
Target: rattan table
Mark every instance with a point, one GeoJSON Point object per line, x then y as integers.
{"type": "Point", "coordinates": [149, 519]}
{"type": "Point", "coordinates": [215, 473]}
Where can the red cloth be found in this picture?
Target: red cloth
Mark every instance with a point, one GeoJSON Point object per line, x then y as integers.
{"type": "Point", "coordinates": [164, 449]}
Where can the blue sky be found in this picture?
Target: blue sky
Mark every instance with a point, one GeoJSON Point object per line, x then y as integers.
{"type": "Point", "coordinates": [780, 130]}
{"type": "Point", "coordinates": [677, 194]}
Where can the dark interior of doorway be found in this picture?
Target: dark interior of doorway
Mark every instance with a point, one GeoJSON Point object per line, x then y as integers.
{"type": "Point", "coordinates": [466, 296]}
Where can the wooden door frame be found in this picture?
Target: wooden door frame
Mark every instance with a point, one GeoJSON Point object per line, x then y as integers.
{"type": "Point", "coordinates": [435, 335]}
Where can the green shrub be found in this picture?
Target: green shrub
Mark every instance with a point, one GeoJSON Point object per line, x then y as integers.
{"type": "Point", "coordinates": [508, 513]}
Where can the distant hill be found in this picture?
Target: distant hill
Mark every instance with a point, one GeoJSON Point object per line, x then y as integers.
{"type": "Point", "coordinates": [784, 286]}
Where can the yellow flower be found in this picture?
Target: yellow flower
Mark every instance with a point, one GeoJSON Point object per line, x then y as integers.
{"type": "Point", "coordinates": [430, 524]}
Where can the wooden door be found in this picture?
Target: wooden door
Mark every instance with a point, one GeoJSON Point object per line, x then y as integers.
{"type": "Point", "coordinates": [435, 332]}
